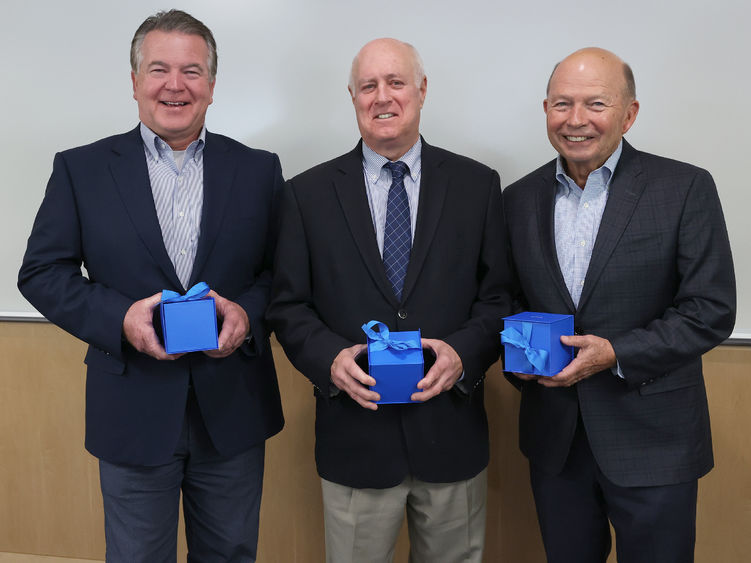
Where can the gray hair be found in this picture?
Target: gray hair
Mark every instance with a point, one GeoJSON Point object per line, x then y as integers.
{"type": "Point", "coordinates": [416, 63]}
{"type": "Point", "coordinates": [628, 76]}
{"type": "Point", "coordinates": [173, 20]}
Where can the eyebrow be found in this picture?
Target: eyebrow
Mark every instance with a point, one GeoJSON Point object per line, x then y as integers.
{"type": "Point", "coordinates": [188, 66]}
{"type": "Point", "coordinates": [375, 79]}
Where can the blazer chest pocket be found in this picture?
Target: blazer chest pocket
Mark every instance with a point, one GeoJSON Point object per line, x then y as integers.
{"type": "Point", "coordinates": [99, 360]}
{"type": "Point", "coordinates": [685, 376]}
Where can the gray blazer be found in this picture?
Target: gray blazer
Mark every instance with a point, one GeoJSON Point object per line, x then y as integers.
{"type": "Point", "coordinates": [661, 288]}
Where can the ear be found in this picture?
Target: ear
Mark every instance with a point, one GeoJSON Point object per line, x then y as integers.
{"type": "Point", "coordinates": [545, 106]}
{"type": "Point", "coordinates": [631, 112]}
{"type": "Point", "coordinates": [211, 92]}
{"type": "Point", "coordinates": [423, 90]}
{"type": "Point", "coordinates": [351, 93]}
{"type": "Point", "coordinates": [133, 80]}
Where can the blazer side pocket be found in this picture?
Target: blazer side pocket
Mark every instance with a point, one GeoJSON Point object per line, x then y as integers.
{"type": "Point", "coordinates": [101, 360]}
{"type": "Point", "coordinates": [685, 376]}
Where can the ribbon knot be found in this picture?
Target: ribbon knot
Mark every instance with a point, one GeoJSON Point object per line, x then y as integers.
{"type": "Point", "coordinates": [198, 291]}
{"type": "Point", "coordinates": [381, 340]}
{"type": "Point", "coordinates": [536, 359]}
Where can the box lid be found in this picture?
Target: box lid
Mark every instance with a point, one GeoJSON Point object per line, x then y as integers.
{"type": "Point", "coordinates": [531, 317]}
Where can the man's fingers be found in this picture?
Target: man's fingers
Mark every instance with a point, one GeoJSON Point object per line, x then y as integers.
{"type": "Point", "coordinates": [361, 395]}
{"type": "Point", "coordinates": [525, 376]}
{"type": "Point", "coordinates": [423, 396]}
{"type": "Point", "coordinates": [153, 301]}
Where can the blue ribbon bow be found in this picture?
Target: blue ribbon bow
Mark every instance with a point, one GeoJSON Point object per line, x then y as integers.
{"type": "Point", "coordinates": [198, 291]}
{"type": "Point", "coordinates": [536, 359]}
{"type": "Point", "coordinates": [380, 340]}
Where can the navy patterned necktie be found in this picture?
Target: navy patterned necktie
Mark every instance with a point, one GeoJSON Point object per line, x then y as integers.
{"type": "Point", "coordinates": [397, 239]}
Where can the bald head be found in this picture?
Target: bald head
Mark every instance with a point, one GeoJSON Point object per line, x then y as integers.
{"type": "Point", "coordinates": [406, 51]}
{"type": "Point", "coordinates": [605, 58]}
{"type": "Point", "coordinates": [590, 105]}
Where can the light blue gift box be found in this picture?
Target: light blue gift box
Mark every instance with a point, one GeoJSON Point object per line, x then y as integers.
{"type": "Point", "coordinates": [189, 321]}
{"type": "Point", "coordinates": [532, 342]}
{"type": "Point", "coordinates": [395, 361]}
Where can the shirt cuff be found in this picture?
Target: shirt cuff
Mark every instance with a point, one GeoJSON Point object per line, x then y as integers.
{"type": "Point", "coordinates": [617, 370]}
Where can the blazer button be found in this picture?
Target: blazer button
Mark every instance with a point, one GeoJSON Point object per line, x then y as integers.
{"type": "Point", "coordinates": [402, 314]}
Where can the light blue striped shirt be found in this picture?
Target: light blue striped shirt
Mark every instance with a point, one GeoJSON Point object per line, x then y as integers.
{"type": "Point", "coordinates": [378, 184]}
{"type": "Point", "coordinates": [177, 186]}
{"type": "Point", "coordinates": [577, 219]}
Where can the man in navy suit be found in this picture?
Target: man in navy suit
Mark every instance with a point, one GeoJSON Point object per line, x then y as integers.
{"type": "Point", "coordinates": [165, 206]}
{"type": "Point", "coordinates": [333, 273]}
{"type": "Point", "coordinates": [635, 247]}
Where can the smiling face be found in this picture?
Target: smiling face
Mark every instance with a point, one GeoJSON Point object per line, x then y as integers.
{"type": "Point", "coordinates": [388, 96]}
{"type": "Point", "coordinates": [588, 110]}
{"type": "Point", "coordinates": [172, 86]}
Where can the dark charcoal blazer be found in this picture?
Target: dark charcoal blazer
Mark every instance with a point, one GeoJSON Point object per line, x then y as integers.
{"type": "Point", "coordinates": [98, 210]}
{"type": "Point", "coordinates": [329, 280]}
{"type": "Point", "coordinates": [661, 288]}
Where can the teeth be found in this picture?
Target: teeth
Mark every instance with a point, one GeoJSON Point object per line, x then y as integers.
{"type": "Point", "coordinates": [576, 139]}
{"type": "Point", "coordinates": [384, 115]}
{"type": "Point", "coordinates": [174, 104]}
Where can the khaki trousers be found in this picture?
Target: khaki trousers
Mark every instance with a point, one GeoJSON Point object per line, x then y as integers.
{"type": "Point", "coordinates": [446, 521]}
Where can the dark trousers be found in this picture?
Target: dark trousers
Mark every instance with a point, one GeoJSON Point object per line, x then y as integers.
{"type": "Point", "coordinates": [652, 524]}
{"type": "Point", "coordinates": [221, 502]}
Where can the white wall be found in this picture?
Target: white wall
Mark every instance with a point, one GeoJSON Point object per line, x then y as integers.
{"type": "Point", "coordinates": [282, 78]}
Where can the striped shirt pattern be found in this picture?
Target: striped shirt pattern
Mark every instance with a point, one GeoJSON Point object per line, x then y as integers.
{"type": "Point", "coordinates": [378, 184]}
{"type": "Point", "coordinates": [177, 187]}
{"type": "Point", "coordinates": [577, 219]}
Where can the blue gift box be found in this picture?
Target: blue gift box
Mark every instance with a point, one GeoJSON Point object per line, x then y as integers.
{"type": "Point", "coordinates": [532, 342]}
{"type": "Point", "coordinates": [189, 321]}
{"type": "Point", "coordinates": [395, 361]}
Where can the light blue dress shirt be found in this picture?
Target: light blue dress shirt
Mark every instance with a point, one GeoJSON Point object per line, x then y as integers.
{"type": "Point", "coordinates": [578, 214]}
{"type": "Point", "coordinates": [177, 186]}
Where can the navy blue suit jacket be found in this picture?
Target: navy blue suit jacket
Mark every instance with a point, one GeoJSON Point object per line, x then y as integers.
{"type": "Point", "coordinates": [98, 211]}
{"type": "Point", "coordinates": [660, 286]}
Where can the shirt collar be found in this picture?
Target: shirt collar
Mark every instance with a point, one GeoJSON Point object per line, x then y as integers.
{"type": "Point", "coordinates": [605, 171]}
{"type": "Point", "coordinates": [158, 147]}
{"type": "Point", "coordinates": [373, 162]}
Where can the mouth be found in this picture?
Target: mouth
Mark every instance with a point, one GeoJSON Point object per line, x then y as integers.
{"type": "Point", "coordinates": [576, 139]}
{"type": "Point", "coordinates": [384, 115]}
{"type": "Point", "coordinates": [174, 104]}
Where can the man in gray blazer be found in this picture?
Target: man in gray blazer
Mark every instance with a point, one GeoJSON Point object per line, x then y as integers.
{"type": "Point", "coordinates": [635, 247]}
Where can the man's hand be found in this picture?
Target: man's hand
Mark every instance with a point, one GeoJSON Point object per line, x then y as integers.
{"type": "Point", "coordinates": [445, 372]}
{"type": "Point", "coordinates": [347, 376]}
{"type": "Point", "coordinates": [138, 328]}
{"type": "Point", "coordinates": [526, 376]}
{"type": "Point", "coordinates": [235, 326]}
{"type": "Point", "coordinates": [595, 354]}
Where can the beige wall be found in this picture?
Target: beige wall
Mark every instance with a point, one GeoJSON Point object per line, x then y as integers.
{"type": "Point", "coordinates": [50, 501]}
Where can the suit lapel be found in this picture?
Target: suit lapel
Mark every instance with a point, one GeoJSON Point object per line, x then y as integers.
{"type": "Point", "coordinates": [350, 189]}
{"type": "Point", "coordinates": [218, 179]}
{"type": "Point", "coordinates": [131, 176]}
{"type": "Point", "coordinates": [433, 186]}
{"type": "Point", "coordinates": [545, 213]}
{"type": "Point", "coordinates": [624, 193]}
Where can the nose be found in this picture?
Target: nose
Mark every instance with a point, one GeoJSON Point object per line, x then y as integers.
{"type": "Point", "coordinates": [174, 81]}
{"type": "Point", "coordinates": [577, 116]}
{"type": "Point", "coordinates": [382, 94]}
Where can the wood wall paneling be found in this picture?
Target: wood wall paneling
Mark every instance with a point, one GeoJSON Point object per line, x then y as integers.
{"type": "Point", "coordinates": [50, 502]}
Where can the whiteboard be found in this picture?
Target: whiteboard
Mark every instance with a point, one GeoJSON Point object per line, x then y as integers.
{"type": "Point", "coordinates": [282, 77]}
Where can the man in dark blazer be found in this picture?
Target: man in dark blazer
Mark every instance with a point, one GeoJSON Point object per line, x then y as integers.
{"type": "Point", "coordinates": [635, 247]}
{"type": "Point", "coordinates": [330, 278]}
{"type": "Point", "coordinates": [163, 207]}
